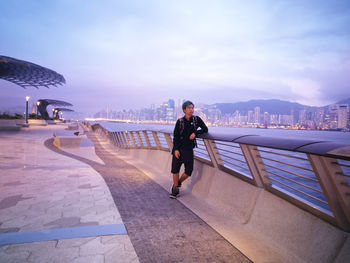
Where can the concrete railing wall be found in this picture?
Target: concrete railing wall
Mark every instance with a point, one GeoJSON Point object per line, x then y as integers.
{"type": "Point", "coordinates": [265, 224]}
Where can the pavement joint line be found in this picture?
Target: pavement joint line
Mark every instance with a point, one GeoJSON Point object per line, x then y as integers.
{"type": "Point", "coordinates": [43, 166]}
{"type": "Point", "coordinates": [62, 233]}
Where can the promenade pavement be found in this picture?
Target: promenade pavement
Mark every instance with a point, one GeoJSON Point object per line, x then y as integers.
{"type": "Point", "coordinates": [43, 187]}
{"type": "Point", "coordinates": [43, 190]}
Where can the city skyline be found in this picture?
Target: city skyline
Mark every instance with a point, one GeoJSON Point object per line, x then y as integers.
{"type": "Point", "coordinates": [332, 117]}
{"type": "Point", "coordinates": [130, 53]}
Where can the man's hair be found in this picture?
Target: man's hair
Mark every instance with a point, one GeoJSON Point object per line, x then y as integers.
{"type": "Point", "coordinates": [186, 103]}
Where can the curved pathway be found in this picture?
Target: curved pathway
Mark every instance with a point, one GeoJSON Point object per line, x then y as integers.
{"type": "Point", "coordinates": [160, 229]}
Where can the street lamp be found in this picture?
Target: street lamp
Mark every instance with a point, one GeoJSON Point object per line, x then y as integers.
{"type": "Point", "coordinates": [27, 99]}
{"type": "Point", "coordinates": [37, 105]}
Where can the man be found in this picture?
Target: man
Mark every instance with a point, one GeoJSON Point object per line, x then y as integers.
{"type": "Point", "coordinates": [184, 141]}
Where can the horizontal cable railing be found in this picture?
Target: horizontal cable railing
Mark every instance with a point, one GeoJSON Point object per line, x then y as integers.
{"type": "Point", "coordinates": [291, 173]}
{"type": "Point", "coordinates": [345, 167]}
{"type": "Point", "coordinates": [309, 174]}
{"type": "Point", "coordinates": [201, 151]}
{"type": "Point", "coordinates": [162, 140]}
{"type": "Point", "coordinates": [151, 139]}
{"type": "Point", "coordinates": [231, 157]}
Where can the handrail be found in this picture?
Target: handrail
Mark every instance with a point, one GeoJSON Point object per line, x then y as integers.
{"type": "Point", "coordinates": [329, 198]}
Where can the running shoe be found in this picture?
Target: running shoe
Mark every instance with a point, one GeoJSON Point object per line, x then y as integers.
{"type": "Point", "coordinates": [174, 192]}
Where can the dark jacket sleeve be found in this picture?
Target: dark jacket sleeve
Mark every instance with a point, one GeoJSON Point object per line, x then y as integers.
{"type": "Point", "coordinates": [201, 124]}
{"type": "Point", "coordinates": [176, 139]}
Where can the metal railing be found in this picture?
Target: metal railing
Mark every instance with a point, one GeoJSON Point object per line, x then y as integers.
{"type": "Point", "coordinates": [314, 175]}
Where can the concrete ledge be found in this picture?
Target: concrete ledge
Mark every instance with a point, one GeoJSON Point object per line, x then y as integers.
{"type": "Point", "coordinates": [264, 227]}
{"type": "Point", "coordinates": [73, 126]}
{"type": "Point", "coordinates": [9, 125]}
{"type": "Point", "coordinates": [51, 122]}
{"type": "Point", "coordinates": [67, 141]}
{"type": "Point", "coordinates": [37, 122]}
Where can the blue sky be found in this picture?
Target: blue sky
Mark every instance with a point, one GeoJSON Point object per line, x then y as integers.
{"type": "Point", "coordinates": [129, 54]}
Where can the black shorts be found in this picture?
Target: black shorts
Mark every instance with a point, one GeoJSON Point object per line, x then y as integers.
{"type": "Point", "coordinates": [186, 158]}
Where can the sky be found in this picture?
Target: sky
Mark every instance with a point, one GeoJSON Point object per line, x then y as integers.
{"type": "Point", "coordinates": [130, 54]}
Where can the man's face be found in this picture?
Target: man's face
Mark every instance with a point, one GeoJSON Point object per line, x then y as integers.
{"type": "Point", "coordinates": [189, 110]}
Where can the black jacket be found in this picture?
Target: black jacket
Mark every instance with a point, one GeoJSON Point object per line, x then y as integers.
{"type": "Point", "coordinates": [184, 128]}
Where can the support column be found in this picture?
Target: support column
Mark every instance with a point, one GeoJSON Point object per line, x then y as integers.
{"type": "Point", "coordinates": [334, 186]}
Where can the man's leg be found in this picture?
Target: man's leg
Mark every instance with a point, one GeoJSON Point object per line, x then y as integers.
{"type": "Point", "coordinates": [183, 177]}
{"type": "Point", "coordinates": [174, 189]}
{"type": "Point", "coordinates": [176, 179]}
{"type": "Point", "coordinates": [189, 159]}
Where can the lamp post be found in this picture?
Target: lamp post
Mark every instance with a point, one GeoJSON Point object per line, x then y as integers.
{"type": "Point", "coordinates": [27, 99]}
{"type": "Point", "coordinates": [37, 105]}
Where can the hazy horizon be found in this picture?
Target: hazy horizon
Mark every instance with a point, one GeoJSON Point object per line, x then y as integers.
{"type": "Point", "coordinates": [130, 54]}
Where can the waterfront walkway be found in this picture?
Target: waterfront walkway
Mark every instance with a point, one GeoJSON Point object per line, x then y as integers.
{"type": "Point", "coordinates": [45, 188]}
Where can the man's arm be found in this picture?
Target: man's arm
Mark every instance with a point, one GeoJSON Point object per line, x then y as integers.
{"type": "Point", "coordinates": [201, 124]}
{"type": "Point", "coordinates": [176, 139]}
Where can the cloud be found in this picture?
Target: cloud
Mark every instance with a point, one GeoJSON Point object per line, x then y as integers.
{"type": "Point", "coordinates": [305, 91]}
{"type": "Point", "coordinates": [136, 53]}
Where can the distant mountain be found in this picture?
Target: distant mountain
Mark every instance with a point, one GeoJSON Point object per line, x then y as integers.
{"type": "Point", "coordinates": [345, 101]}
{"type": "Point", "coordinates": [271, 106]}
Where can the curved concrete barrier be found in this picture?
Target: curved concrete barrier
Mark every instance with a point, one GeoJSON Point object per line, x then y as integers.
{"type": "Point", "coordinates": [263, 226]}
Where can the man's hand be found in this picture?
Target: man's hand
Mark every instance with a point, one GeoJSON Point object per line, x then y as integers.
{"type": "Point", "coordinates": [177, 154]}
{"type": "Point", "coordinates": [192, 136]}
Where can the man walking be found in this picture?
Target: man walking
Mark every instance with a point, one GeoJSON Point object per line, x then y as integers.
{"type": "Point", "coordinates": [185, 133]}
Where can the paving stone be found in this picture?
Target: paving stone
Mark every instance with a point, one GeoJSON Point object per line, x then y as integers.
{"type": "Point", "coordinates": [73, 242]}
{"type": "Point", "coordinates": [93, 247]}
{"type": "Point", "coordinates": [20, 256]}
{"type": "Point", "coordinates": [9, 230]}
{"type": "Point", "coordinates": [54, 255]}
{"type": "Point", "coordinates": [11, 201]}
{"type": "Point", "coordinates": [90, 259]}
{"type": "Point", "coordinates": [122, 256]}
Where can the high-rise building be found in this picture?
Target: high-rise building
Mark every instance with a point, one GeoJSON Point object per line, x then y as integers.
{"type": "Point", "coordinates": [250, 117]}
{"type": "Point", "coordinates": [257, 115]}
{"type": "Point", "coordinates": [319, 118]}
{"type": "Point", "coordinates": [266, 118]}
{"type": "Point", "coordinates": [343, 116]}
{"type": "Point", "coordinates": [302, 116]}
{"type": "Point", "coordinates": [333, 116]}
{"type": "Point", "coordinates": [170, 110]}
{"type": "Point", "coordinates": [274, 119]}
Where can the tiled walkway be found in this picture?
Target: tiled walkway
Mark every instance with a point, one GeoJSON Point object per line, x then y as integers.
{"type": "Point", "coordinates": [42, 190]}
{"type": "Point", "coordinates": [49, 188]}
{"type": "Point", "coordinates": [161, 229]}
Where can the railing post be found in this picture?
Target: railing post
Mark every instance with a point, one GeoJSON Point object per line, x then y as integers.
{"type": "Point", "coordinates": [139, 139]}
{"type": "Point", "coordinates": [169, 141]}
{"type": "Point", "coordinates": [126, 140]}
{"type": "Point", "coordinates": [121, 142]}
{"type": "Point", "coordinates": [210, 146]}
{"type": "Point", "coordinates": [256, 165]}
{"type": "Point", "coordinates": [156, 139]}
{"type": "Point", "coordinates": [133, 139]}
{"type": "Point", "coordinates": [118, 140]}
{"type": "Point", "coordinates": [145, 134]}
{"type": "Point", "coordinates": [215, 153]}
{"type": "Point", "coordinates": [334, 186]}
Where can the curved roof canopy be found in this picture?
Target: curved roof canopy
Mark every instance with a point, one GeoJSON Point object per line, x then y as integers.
{"type": "Point", "coordinates": [42, 105]}
{"type": "Point", "coordinates": [62, 109]}
{"type": "Point", "coordinates": [26, 74]}
{"type": "Point", "coordinates": [46, 102]}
